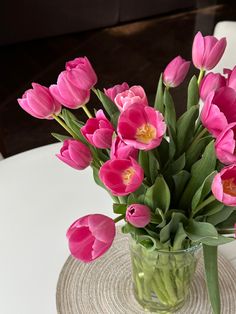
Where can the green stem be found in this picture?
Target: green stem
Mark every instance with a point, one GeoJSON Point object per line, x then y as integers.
{"type": "Point", "coordinates": [88, 113]}
{"type": "Point", "coordinates": [200, 76]}
{"type": "Point", "coordinates": [65, 126]}
{"type": "Point", "coordinates": [209, 200]}
{"type": "Point", "coordinates": [119, 218]}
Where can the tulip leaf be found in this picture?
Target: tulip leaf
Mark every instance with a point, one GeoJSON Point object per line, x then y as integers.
{"type": "Point", "coordinates": [199, 171]}
{"type": "Point", "coordinates": [185, 129]}
{"type": "Point", "coordinates": [229, 222]}
{"type": "Point", "coordinates": [143, 160]}
{"type": "Point", "coordinates": [176, 166]}
{"type": "Point", "coordinates": [162, 151]}
{"type": "Point", "coordinates": [220, 240]}
{"type": "Point", "coordinates": [220, 216]}
{"type": "Point", "coordinates": [154, 166]}
{"type": "Point", "coordinates": [193, 93]}
{"type": "Point", "coordinates": [180, 181]}
{"type": "Point", "coordinates": [119, 208]}
{"type": "Point", "coordinates": [211, 208]}
{"type": "Point", "coordinates": [211, 272]}
{"type": "Point", "coordinates": [180, 236]}
{"type": "Point", "coordinates": [171, 228]}
{"type": "Point", "coordinates": [158, 104]}
{"type": "Point", "coordinates": [197, 230]}
{"type": "Point", "coordinates": [170, 115]}
{"type": "Point", "coordinates": [72, 122]}
{"type": "Point", "coordinates": [60, 137]}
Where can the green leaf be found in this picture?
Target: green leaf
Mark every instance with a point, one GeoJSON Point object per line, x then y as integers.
{"type": "Point", "coordinates": [199, 171]}
{"type": "Point", "coordinates": [211, 208]}
{"type": "Point", "coordinates": [163, 151]}
{"type": "Point", "coordinates": [176, 166]}
{"type": "Point", "coordinates": [158, 104]}
{"type": "Point", "coordinates": [60, 137]}
{"type": "Point", "coordinates": [180, 236]}
{"type": "Point", "coordinates": [119, 208]}
{"type": "Point", "coordinates": [229, 222]}
{"type": "Point", "coordinates": [138, 196]}
{"type": "Point", "coordinates": [215, 242]}
{"type": "Point", "coordinates": [220, 216]}
{"type": "Point", "coordinates": [185, 129]}
{"type": "Point", "coordinates": [193, 93]}
{"type": "Point", "coordinates": [154, 166]}
{"type": "Point", "coordinates": [160, 213]}
{"type": "Point", "coordinates": [180, 181]}
{"type": "Point", "coordinates": [143, 160]}
{"type": "Point", "coordinates": [197, 230]}
{"type": "Point", "coordinates": [172, 227]}
{"type": "Point", "coordinates": [195, 151]}
{"type": "Point", "coordinates": [72, 122]}
{"type": "Point", "coordinates": [170, 115]}
{"type": "Point", "coordinates": [211, 272]}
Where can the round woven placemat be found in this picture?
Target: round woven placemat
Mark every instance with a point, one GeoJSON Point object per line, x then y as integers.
{"type": "Point", "coordinates": [105, 286]}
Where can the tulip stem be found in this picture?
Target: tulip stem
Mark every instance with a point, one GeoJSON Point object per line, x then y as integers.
{"type": "Point", "coordinates": [200, 76]}
{"type": "Point", "coordinates": [64, 126]}
{"type": "Point", "coordinates": [87, 111]}
{"type": "Point", "coordinates": [119, 218]}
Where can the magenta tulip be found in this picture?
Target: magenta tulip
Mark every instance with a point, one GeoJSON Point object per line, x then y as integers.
{"type": "Point", "coordinates": [219, 110]}
{"type": "Point", "coordinates": [138, 215]}
{"type": "Point", "coordinates": [175, 72]}
{"type": "Point", "coordinates": [75, 154]}
{"type": "Point", "coordinates": [224, 186]}
{"type": "Point", "coordinates": [225, 145]}
{"type": "Point", "coordinates": [121, 176]}
{"type": "Point", "coordinates": [210, 83]}
{"type": "Point", "coordinates": [91, 236]}
{"type": "Point", "coordinates": [134, 95]}
{"type": "Point", "coordinates": [231, 80]}
{"type": "Point", "coordinates": [68, 94]}
{"type": "Point", "coordinates": [98, 131]}
{"type": "Point", "coordinates": [207, 51]}
{"type": "Point", "coordinates": [141, 127]}
{"type": "Point", "coordinates": [81, 73]}
{"type": "Point", "coordinates": [122, 151]}
{"type": "Point", "coordinates": [113, 91]}
{"type": "Point", "coordinates": [39, 103]}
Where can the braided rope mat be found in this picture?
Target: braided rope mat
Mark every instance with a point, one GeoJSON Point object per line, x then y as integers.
{"type": "Point", "coordinates": [105, 286]}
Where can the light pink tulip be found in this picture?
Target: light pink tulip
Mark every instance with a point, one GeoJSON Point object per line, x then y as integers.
{"type": "Point", "coordinates": [39, 103]}
{"type": "Point", "coordinates": [75, 154]}
{"type": "Point", "coordinates": [113, 91]}
{"type": "Point", "coordinates": [81, 73]}
{"type": "Point", "coordinates": [225, 145]}
{"type": "Point", "coordinates": [224, 186]}
{"type": "Point", "coordinates": [231, 80]}
{"type": "Point", "coordinates": [68, 94]}
{"type": "Point", "coordinates": [207, 51]}
{"type": "Point", "coordinates": [91, 236]}
{"type": "Point", "coordinates": [121, 176]}
{"type": "Point", "coordinates": [219, 110]}
{"type": "Point", "coordinates": [141, 127]}
{"type": "Point", "coordinates": [122, 151]}
{"type": "Point", "coordinates": [175, 72]}
{"type": "Point", "coordinates": [210, 83]}
{"type": "Point", "coordinates": [138, 215]}
{"type": "Point", "coordinates": [98, 131]}
{"type": "Point", "coordinates": [134, 95]}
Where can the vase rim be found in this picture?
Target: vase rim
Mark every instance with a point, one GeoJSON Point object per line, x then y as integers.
{"type": "Point", "coordinates": [187, 250]}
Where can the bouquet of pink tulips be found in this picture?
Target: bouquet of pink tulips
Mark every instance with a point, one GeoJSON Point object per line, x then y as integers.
{"type": "Point", "coordinates": [173, 181]}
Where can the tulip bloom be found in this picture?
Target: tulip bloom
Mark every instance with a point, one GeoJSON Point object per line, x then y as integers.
{"type": "Point", "coordinates": [68, 94]}
{"type": "Point", "coordinates": [210, 83]}
{"type": "Point", "coordinates": [219, 110]}
{"type": "Point", "coordinates": [207, 51]}
{"type": "Point", "coordinates": [91, 236]}
{"type": "Point", "coordinates": [39, 103]}
{"type": "Point", "coordinates": [81, 73]}
{"type": "Point", "coordinates": [141, 127]}
{"type": "Point", "coordinates": [98, 131]}
{"type": "Point", "coordinates": [113, 91]}
{"type": "Point", "coordinates": [134, 95]}
{"type": "Point", "coordinates": [224, 186]}
{"type": "Point", "coordinates": [225, 145]}
{"type": "Point", "coordinates": [138, 215]}
{"type": "Point", "coordinates": [122, 151]}
{"type": "Point", "coordinates": [121, 176]}
{"type": "Point", "coordinates": [75, 154]}
{"type": "Point", "coordinates": [175, 72]}
{"type": "Point", "coordinates": [231, 80]}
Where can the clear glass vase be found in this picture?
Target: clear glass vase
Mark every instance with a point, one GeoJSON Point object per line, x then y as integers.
{"type": "Point", "coordinates": [162, 279]}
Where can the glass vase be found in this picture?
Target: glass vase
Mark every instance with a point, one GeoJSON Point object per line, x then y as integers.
{"type": "Point", "coordinates": [162, 279]}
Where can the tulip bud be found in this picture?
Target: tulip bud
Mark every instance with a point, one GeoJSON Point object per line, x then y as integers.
{"type": "Point", "coordinates": [210, 83]}
{"type": "Point", "coordinates": [75, 154]}
{"type": "Point", "coordinates": [115, 90]}
{"type": "Point", "coordinates": [175, 72]}
{"type": "Point", "coordinates": [138, 215]}
{"type": "Point", "coordinates": [39, 103]}
{"type": "Point", "coordinates": [134, 95]}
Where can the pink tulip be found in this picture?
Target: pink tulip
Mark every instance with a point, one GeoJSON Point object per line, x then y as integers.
{"type": "Point", "coordinates": [207, 51]}
{"type": "Point", "coordinates": [68, 94]}
{"type": "Point", "coordinates": [224, 186]}
{"type": "Point", "coordinates": [231, 80]}
{"type": "Point", "coordinates": [219, 110]}
{"type": "Point", "coordinates": [134, 95]}
{"type": "Point", "coordinates": [75, 154]}
{"type": "Point", "coordinates": [98, 131]}
{"type": "Point", "coordinates": [81, 73]}
{"type": "Point", "coordinates": [138, 215]}
{"type": "Point", "coordinates": [122, 151]}
{"type": "Point", "coordinates": [39, 103]}
{"type": "Point", "coordinates": [113, 91]}
{"type": "Point", "coordinates": [141, 127]}
{"type": "Point", "coordinates": [210, 83]}
{"type": "Point", "coordinates": [121, 176]}
{"type": "Point", "coordinates": [175, 72]}
{"type": "Point", "coordinates": [91, 236]}
{"type": "Point", "coordinates": [225, 145]}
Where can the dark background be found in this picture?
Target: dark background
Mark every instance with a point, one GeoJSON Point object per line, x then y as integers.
{"type": "Point", "coordinates": [126, 40]}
